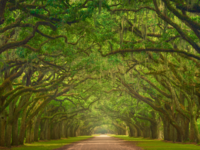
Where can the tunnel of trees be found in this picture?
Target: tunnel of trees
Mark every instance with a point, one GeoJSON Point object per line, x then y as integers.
{"type": "Point", "coordinates": [73, 67]}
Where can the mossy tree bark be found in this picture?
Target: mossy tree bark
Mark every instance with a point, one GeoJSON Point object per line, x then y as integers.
{"type": "Point", "coordinates": [3, 119]}
{"type": "Point", "coordinates": [37, 126]}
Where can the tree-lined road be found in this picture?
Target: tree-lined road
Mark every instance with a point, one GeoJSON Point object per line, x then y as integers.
{"type": "Point", "coordinates": [69, 69]}
{"type": "Point", "coordinates": [102, 142]}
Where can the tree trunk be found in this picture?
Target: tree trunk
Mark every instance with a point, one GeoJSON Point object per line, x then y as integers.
{"type": "Point", "coordinates": [52, 131]}
{"type": "Point", "coordinates": [154, 130]}
{"type": "Point", "coordinates": [160, 129]}
{"type": "Point", "coordinates": [135, 130]}
{"type": "Point", "coordinates": [166, 125]}
{"type": "Point", "coordinates": [141, 131]}
{"type": "Point", "coordinates": [59, 129]}
{"type": "Point", "coordinates": [22, 127]}
{"type": "Point", "coordinates": [63, 129]}
{"type": "Point", "coordinates": [186, 129]}
{"type": "Point", "coordinates": [138, 131]}
{"type": "Point", "coordinates": [15, 132]}
{"type": "Point", "coordinates": [131, 131]}
{"type": "Point", "coordinates": [195, 127]}
{"type": "Point", "coordinates": [72, 131]}
{"type": "Point", "coordinates": [9, 125]}
{"type": "Point", "coordinates": [28, 133]}
{"type": "Point", "coordinates": [146, 132]}
{"type": "Point", "coordinates": [67, 131]}
{"type": "Point", "coordinates": [42, 129]}
{"type": "Point", "coordinates": [78, 132]}
{"type": "Point", "coordinates": [8, 134]}
{"type": "Point", "coordinates": [48, 130]}
{"type": "Point", "coordinates": [56, 131]}
{"type": "Point", "coordinates": [32, 130]}
{"type": "Point", "coordinates": [36, 129]}
{"type": "Point", "coordinates": [2, 129]}
{"type": "Point", "coordinates": [173, 134]}
{"type": "Point", "coordinates": [179, 134]}
{"type": "Point", "coordinates": [75, 130]}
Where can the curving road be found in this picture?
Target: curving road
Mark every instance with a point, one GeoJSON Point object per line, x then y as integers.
{"type": "Point", "coordinates": [102, 142]}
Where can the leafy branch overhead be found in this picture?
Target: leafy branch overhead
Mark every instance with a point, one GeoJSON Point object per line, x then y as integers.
{"type": "Point", "coordinates": [70, 68]}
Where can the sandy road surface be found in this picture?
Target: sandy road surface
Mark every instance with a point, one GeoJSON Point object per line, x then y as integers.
{"type": "Point", "coordinates": [102, 142]}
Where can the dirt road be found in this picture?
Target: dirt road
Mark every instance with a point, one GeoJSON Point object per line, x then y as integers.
{"type": "Point", "coordinates": [102, 142]}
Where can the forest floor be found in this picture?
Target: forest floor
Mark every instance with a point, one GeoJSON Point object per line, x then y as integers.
{"type": "Point", "coordinates": [149, 144]}
{"type": "Point", "coordinates": [48, 145]}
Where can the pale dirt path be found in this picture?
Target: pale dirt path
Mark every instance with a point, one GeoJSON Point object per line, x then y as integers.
{"type": "Point", "coordinates": [102, 142]}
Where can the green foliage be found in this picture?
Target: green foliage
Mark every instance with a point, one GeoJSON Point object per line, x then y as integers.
{"type": "Point", "coordinates": [105, 24]}
{"type": "Point", "coordinates": [37, 11]}
{"type": "Point", "coordinates": [22, 52]}
{"type": "Point", "coordinates": [120, 95]}
{"type": "Point", "coordinates": [113, 59]}
{"type": "Point", "coordinates": [155, 56]}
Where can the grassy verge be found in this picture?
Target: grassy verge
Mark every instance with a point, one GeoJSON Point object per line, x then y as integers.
{"type": "Point", "coordinates": [148, 144]}
{"type": "Point", "coordinates": [49, 145]}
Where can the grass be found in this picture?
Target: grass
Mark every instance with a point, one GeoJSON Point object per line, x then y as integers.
{"type": "Point", "coordinates": [149, 144]}
{"type": "Point", "coordinates": [50, 145]}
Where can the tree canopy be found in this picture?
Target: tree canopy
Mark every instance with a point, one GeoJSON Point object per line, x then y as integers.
{"type": "Point", "coordinates": [76, 67]}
